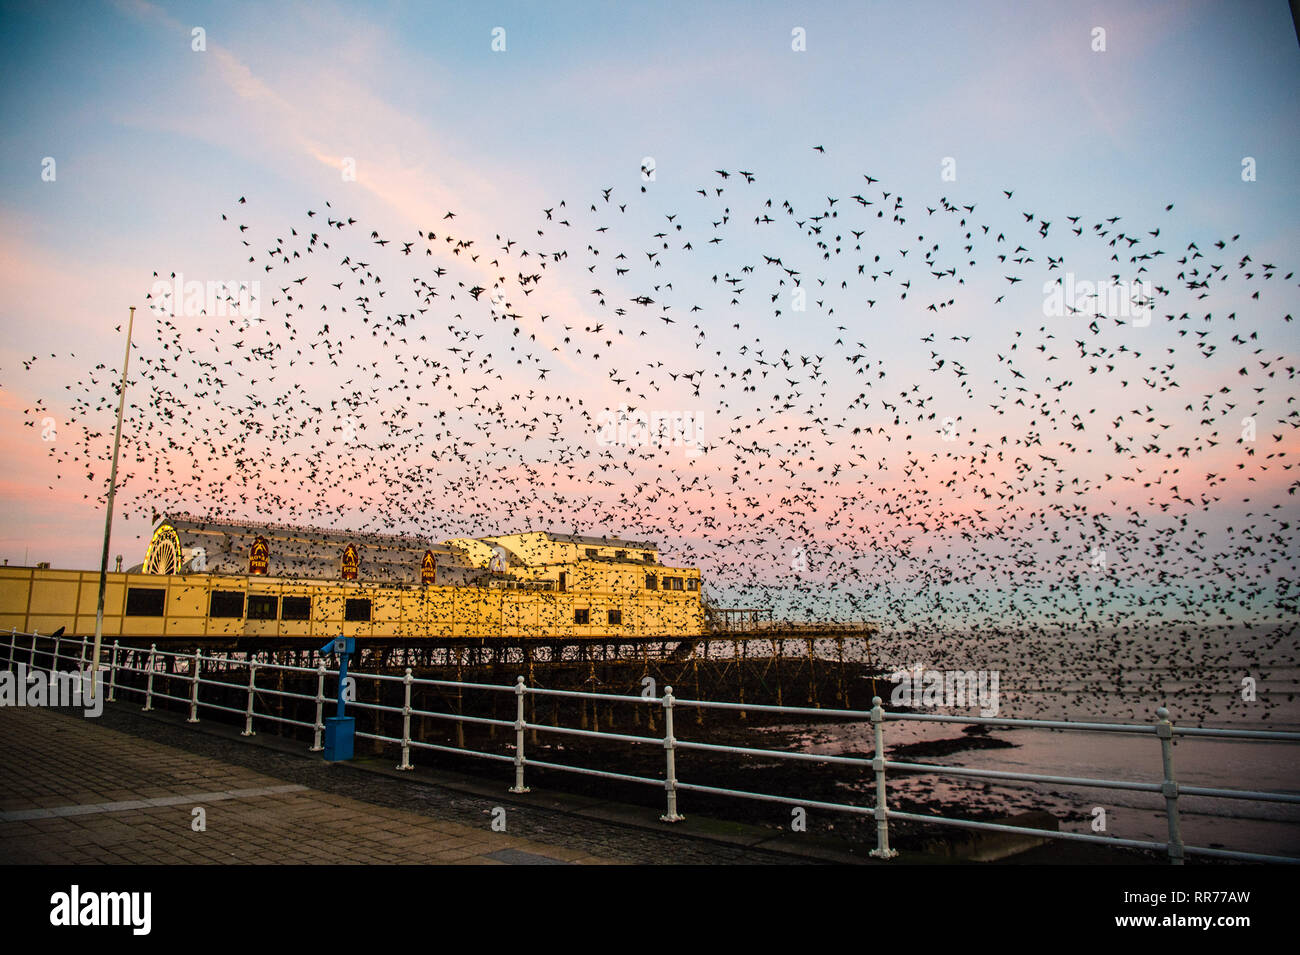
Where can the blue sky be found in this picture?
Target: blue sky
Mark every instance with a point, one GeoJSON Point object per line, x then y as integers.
{"type": "Point", "coordinates": [153, 140]}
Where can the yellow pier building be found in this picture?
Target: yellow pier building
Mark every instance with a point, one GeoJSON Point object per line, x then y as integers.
{"type": "Point", "coordinates": [218, 581]}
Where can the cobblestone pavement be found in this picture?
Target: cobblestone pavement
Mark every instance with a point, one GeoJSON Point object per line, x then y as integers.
{"type": "Point", "coordinates": [122, 789]}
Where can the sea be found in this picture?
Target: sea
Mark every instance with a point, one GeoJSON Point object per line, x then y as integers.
{"type": "Point", "coordinates": [1228, 677]}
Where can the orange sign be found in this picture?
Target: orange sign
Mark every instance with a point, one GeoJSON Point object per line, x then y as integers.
{"type": "Point", "coordinates": [428, 567]}
{"type": "Point", "coordinates": [259, 558]}
{"type": "Point", "coordinates": [350, 562]}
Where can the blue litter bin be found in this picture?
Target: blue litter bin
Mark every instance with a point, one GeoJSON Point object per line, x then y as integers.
{"type": "Point", "coordinates": [339, 734]}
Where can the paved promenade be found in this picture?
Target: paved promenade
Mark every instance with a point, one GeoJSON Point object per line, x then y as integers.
{"type": "Point", "coordinates": [121, 790]}
{"type": "Point", "coordinates": [72, 792]}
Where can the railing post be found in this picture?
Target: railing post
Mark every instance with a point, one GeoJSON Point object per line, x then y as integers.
{"type": "Point", "coordinates": [248, 710]}
{"type": "Point", "coordinates": [1165, 730]}
{"type": "Point", "coordinates": [13, 647]}
{"type": "Point", "coordinates": [112, 675]}
{"type": "Point", "coordinates": [148, 689]}
{"type": "Point", "coordinates": [317, 746]}
{"type": "Point", "coordinates": [882, 850]}
{"type": "Point", "coordinates": [406, 721]}
{"type": "Point", "coordinates": [54, 660]}
{"type": "Point", "coordinates": [519, 786]}
{"type": "Point", "coordinates": [31, 657]}
{"type": "Point", "coordinates": [194, 691]}
{"type": "Point", "coordinates": [670, 748]}
{"type": "Point", "coordinates": [81, 657]}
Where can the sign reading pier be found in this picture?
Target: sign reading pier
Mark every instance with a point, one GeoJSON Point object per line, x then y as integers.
{"type": "Point", "coordinates": [259, 557]}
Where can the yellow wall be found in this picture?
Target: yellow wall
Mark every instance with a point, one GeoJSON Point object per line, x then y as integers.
{"type": "Point", "coordinates": [47, 599]}
{"type": "Point", "coordinates": [535, 549]}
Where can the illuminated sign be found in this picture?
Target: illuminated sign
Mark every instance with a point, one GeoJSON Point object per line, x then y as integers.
{"type": "Point", "coordinates": [259, 558]}
{"type": "Point", "coordinates": [428, 567]}
{"type": "Point", "coordinates": [350, 562]}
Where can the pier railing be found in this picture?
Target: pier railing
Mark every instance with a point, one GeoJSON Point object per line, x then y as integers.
{"type": "Point", "coordinates": [133, 670]}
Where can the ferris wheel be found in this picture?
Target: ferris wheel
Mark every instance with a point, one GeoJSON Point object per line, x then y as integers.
{"type": "Point", "coordinates": [164, 553]}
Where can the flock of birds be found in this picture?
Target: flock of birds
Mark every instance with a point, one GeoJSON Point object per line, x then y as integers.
{"type": "Point", "coordinates": [887, 421]}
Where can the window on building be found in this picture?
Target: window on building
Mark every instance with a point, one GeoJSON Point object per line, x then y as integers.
{"type": "Point", "coordinates": [226, 603]}
{"type": "Point", "coordinates": [261, 607]}
{"type": "Point", "coordinates": [357, 608]}
{"type": "Point", "coordinates": [582, 616]}
{"type": "Point", "coordinates": [620, 555]}
{"type": "Point", "coordinates": [651, 582]}
{"type": "Point", "coordinates": [692, 583]}
{"type": "Point", "coordinates": [295, 608]}
{"type": "Point", "coordinates": [592, 552]}
{"type": "Point", "coordinates": [564, 580]}
{"type": "Point", "coordinates": [145, 601]}
{"type": "Point", "coordinates": [616, 618]}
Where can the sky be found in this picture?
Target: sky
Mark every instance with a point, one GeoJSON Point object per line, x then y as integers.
{"type": "Point", "coordinates": [131, 128]}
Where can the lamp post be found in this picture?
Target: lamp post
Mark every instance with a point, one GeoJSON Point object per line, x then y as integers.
{"type": "Point", "coordinates": [108, 518]}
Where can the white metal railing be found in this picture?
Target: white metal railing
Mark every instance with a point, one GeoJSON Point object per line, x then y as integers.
{"type": "Point", "coordinates": [188, 667]}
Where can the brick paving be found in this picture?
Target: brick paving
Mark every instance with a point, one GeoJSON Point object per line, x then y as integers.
{"type": "Point", "coordinates": [121, 789]}
{"type": "Point", "coordinates": [74, 793]}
